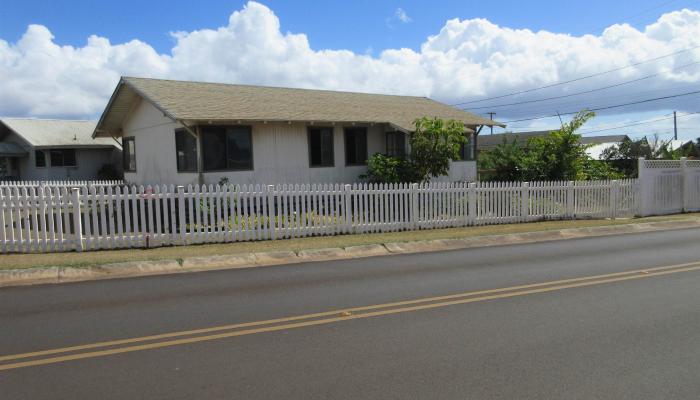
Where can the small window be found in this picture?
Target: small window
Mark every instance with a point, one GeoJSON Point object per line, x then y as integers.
{"type": "Point", "coordinates": [321, 147]}
{"type": "Point", "coordinates": [466, 150]}
{"type": "Point", "coordinates": [62, 157]}
{"type": "Point", "coordinates": [396, 144]}
{"type": "Point", "coordinates": [355, 146]}
{"type": "Point", "coordinates": [186, 150]}
{"type": "Point", "coordinates": [129, 154]}
{"type": "Point", "coordinates": [227, 148]}
{"type": "Point", "coordinates": [40, 159]}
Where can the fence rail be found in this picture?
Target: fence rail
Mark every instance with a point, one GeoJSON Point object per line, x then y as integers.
{"type": "Point", "coordinates": [67, 183]}
{"type": "Point", "coordinates": [58, 218]}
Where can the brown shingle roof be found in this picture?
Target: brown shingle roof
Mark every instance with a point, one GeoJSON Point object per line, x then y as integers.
{"type": "Point", "coordinates": [199, 101]}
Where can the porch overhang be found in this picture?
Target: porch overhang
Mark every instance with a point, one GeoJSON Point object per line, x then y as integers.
{"type": "Point", "coordinates": [8, 149]}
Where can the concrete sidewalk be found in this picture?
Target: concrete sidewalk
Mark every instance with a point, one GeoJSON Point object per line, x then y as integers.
{"type": "Point", "coordinates": [60, 274]}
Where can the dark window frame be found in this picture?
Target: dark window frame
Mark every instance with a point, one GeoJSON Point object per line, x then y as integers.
{"type": "Point", "coordinates": [332, 149]}
{"type": "Point", "coordinates": [43, 157]}
{"type": "Point", "coordinates": [125, 153]}
{"type": "Point", "coordinates": [353, 130]}
{"type": "Point", "coordinates": [182, 131]}
{"type": "Point", "coordinates": [63, 153]}
{"type": "Point", "coordinates": [204, 155]}
{"type": "Point", "coordinates": [402, 153]}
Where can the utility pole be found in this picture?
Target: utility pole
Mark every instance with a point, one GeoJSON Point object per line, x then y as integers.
{"type": "Point", "coordinates": [675, 127]}
{"type": "Point", "coordinates": [491, 114]}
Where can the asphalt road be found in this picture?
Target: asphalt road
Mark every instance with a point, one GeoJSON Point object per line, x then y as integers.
{"type": "Point", "coordinates": [631, 335]}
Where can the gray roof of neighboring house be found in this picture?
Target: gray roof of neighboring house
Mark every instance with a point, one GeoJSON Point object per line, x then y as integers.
{"type": "Point", "coordinates": [487, 142]}
{"type": "Point", "coordinates": [56, 132]}
{"type": "Point", "coordinates": [193, 102]}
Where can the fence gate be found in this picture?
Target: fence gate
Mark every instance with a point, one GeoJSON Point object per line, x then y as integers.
{"type": "Point", "coordinates": [661, 183]}
{"type": "Point", "coordinates": [691, 185]}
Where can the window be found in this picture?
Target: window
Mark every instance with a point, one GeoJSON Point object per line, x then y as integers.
{"type": "Point", "coordinates": [186, 150]}
{"type": "Point", "coordinates": [396, 144]}
{"type": "Point", "coordinates": [40, 159]}
{"type": "Point", "coordinates": [321, 147]}
{"type": "Point", "coordinates": [62, 157]}
{"type": "Point", "coordinates": [129, 154]}
{"type": "Point", "coordinates": [355, 146]}
{"type": "Point", "coordinates": [227, 148]}
{"type": "Point", "coordinates": [466, 150]}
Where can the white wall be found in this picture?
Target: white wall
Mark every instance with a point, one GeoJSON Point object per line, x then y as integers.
{"type": "Point", "coordinates": [280, 154]}
{"type": "Point", "coordinates": [88, 162]}
{"type": "Point", "coordinates": [154, 141]}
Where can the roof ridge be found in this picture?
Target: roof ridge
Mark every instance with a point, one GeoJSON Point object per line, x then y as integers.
{"type": "Point", "coordinates": [275, 87]}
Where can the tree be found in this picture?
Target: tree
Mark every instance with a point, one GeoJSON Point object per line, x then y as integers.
{"type": "Point", "coordinates": [504, 162]}
{"type": "Point", "coordinates": [557, 156]}
{"type": "Point", "coordinates": [560, 155]}
{"type": "Point", "coordinates": [385, 169]}
{"type": "Point", "coordinates": [434, 144]}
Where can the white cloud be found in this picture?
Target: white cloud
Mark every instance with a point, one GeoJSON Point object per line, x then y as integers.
{"type": "Point", "coordinates": [401, 15]}
{"type": "Point", "coordinates": [466, 59]}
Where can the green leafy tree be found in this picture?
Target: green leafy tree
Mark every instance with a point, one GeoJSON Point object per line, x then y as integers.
{"type": "Point", "coordinates": [504, 162]}
{"type": "Point", "coordinates": [560, 155]}
{"type": "Point", "coordinates": [434, 143]}
{"type": "Point", "coordinates": [557, 156]}
{"type": "Point", "coordinates": [385, 169]}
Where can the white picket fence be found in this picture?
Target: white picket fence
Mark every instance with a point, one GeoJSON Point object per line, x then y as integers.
{"type": "Point", "coordinates": [48, 219]}
{"type": "Point", "coordinates": [21, 184]}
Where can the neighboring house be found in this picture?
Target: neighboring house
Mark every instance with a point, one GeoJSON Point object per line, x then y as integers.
{"type": "Point", "coordinates": [597, 143]}
{"type": "Point", "coordinates": [179, 132]}
{"type": "Point", "coordinates": [44, 149]}
{"type": "Point", "coordinates": [488, 142]}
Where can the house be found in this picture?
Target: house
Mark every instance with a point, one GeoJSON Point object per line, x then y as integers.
{"type": "Point", "coordinates": [597, 143]}
{"type": "Point", "coordinates": [183, 132]}
{"type": "Point", "coordinates": [49, 149]}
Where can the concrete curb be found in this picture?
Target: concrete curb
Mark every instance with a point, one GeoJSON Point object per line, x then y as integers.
{"type": "Point", "coordinates": [34, 276]}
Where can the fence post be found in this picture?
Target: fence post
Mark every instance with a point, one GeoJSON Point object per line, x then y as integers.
{"type": "Point", "coordinates": [181, 214]}
{"type": "Point", "coordinates": [271, 214]}
{"type": "Point", "coordinates": [471, 204]}
{"type": "Point", "coordinates": [684, 182]}
{"type": "Point", "coordinates": [614, 195]}
{"type": "Point", "coordinates": [347, 207]}
{"type": "Point", "coordinates": [570, 204]}
{"type": "Point", "coordinates": [414, 206]}
{"type": "Point", "coordinates": [77, 224]}
{"type": "Point", "coordinates": [642, 188]}
{"type": "Point", "coordinates": [525, 202]}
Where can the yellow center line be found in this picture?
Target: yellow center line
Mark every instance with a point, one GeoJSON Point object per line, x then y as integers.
{"type": "Point", "coordinates": [337, 316]}
{"type": "Point", "coordinates": [324, 314]}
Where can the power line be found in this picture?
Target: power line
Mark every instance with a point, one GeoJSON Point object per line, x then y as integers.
{"type": "Point", "coordinates": [584, 132]}
{"type": "Point", "coordinates": [580, 78]}
{"type": "Point", "coordinates": [627, 125]}
{"type": "Point", "coordinates": [584, 92]}
{"type": "Point", "coordinates": [531, 110]}
{"type": "Point", "coordinates": [608, 107]}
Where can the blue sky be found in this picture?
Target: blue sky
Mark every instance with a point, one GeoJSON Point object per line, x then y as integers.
{"type": "Point", "coordinates": [67, 62]}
